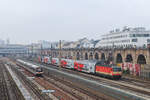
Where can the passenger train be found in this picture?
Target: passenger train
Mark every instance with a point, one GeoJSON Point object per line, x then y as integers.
{"type": "Point", "coordinates": [101, 68]}
{"type": "Point", "coordinates": [36, 70]}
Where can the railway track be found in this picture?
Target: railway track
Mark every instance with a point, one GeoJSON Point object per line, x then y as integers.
{"type": "Point", "coordinates": [131, 86]}
{"type": "Point", "coordinates": [78, 91]}
{"type": "Point", "coordinates": [3, 87]}
{"type": "Point", "coordinates": [8, 88]}
{"type": "Point", "coordinates": [122, 84]}
{"type": "Point", "coordinates": [96, 89]}
{"type": "Point", "coordinates": [30, 85]}
{"type": "Point", "coordinates": [125, 81]}
{"type": "Point", "coordinates": [75, 91]}
{"type": "Point", "coordinates": [59, 94]}
{"type": "Point", "coordinates": [136, 81]}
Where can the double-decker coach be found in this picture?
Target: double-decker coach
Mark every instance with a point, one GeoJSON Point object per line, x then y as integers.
{"type": "Point", "coordinates": [47, 59]}
{"type": "Point", "coordinates": [55, 61]}
{"type": "Point", "coordinates": [67, 63]}
{"type": "Point", "coordinates": [84, 66]}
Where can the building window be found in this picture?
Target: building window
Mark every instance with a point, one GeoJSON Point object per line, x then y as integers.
{"type": "Point", "coordinates": [134, 40]}
{"type": "Point", "coordinates": [148, 40]}
{"type": "Point", "coordinates": [139, 35]}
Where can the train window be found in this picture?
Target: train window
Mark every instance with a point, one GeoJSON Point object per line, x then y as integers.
{"type": "Point", "coordinates": [99, 63]}
{"type": "Point", "coordinates": [116, 69]}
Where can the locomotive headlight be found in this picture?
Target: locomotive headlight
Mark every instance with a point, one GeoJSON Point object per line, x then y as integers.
{"type": "Point", "coordinates": [111, 73]}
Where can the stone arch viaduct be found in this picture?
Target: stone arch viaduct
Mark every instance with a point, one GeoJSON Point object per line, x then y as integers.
{"type": "Point", "coordinates": [132, 55]}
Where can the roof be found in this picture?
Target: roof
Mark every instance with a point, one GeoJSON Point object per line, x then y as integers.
{"type": "Point", "coordinates": [28, 64]}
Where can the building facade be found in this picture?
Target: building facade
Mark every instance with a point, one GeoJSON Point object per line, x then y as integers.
{"type": "Point", "coordinates": [128, 37]}
{"type": "Point", "coordinates": [13, 49]}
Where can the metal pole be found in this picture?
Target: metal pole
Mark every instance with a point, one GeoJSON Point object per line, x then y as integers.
{"type": "Point", "coordinates": [41, 49]}
{"type": "Point", "coordinates": [32, 50]}
{"type": "Point", "coordinates": [60, 53]}
{"type": "Point", "coordinates": [113, 58]}
{"type": "Point", "coordinates": [41, 52]}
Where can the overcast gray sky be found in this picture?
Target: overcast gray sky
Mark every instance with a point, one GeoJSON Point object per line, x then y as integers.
{"type": "Point", "coordinates": [26, 21]}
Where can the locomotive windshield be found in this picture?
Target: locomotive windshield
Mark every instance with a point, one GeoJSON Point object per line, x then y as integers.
{"type": "Point", "coordinates": [39, 69]}
{"type": "Point", "coordinates": [117, 69]}
{"type": "Point", "coordinates": [104, 63]}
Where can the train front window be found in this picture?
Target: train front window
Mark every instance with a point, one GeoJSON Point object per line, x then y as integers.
{"type": "Point", "coordinates": [39, 70]}
{"type": "Point", "coordinates": [116, 69]}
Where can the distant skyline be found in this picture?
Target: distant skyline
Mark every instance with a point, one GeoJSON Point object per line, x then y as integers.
{"type": "Point", "coordinates": [27, 21]}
